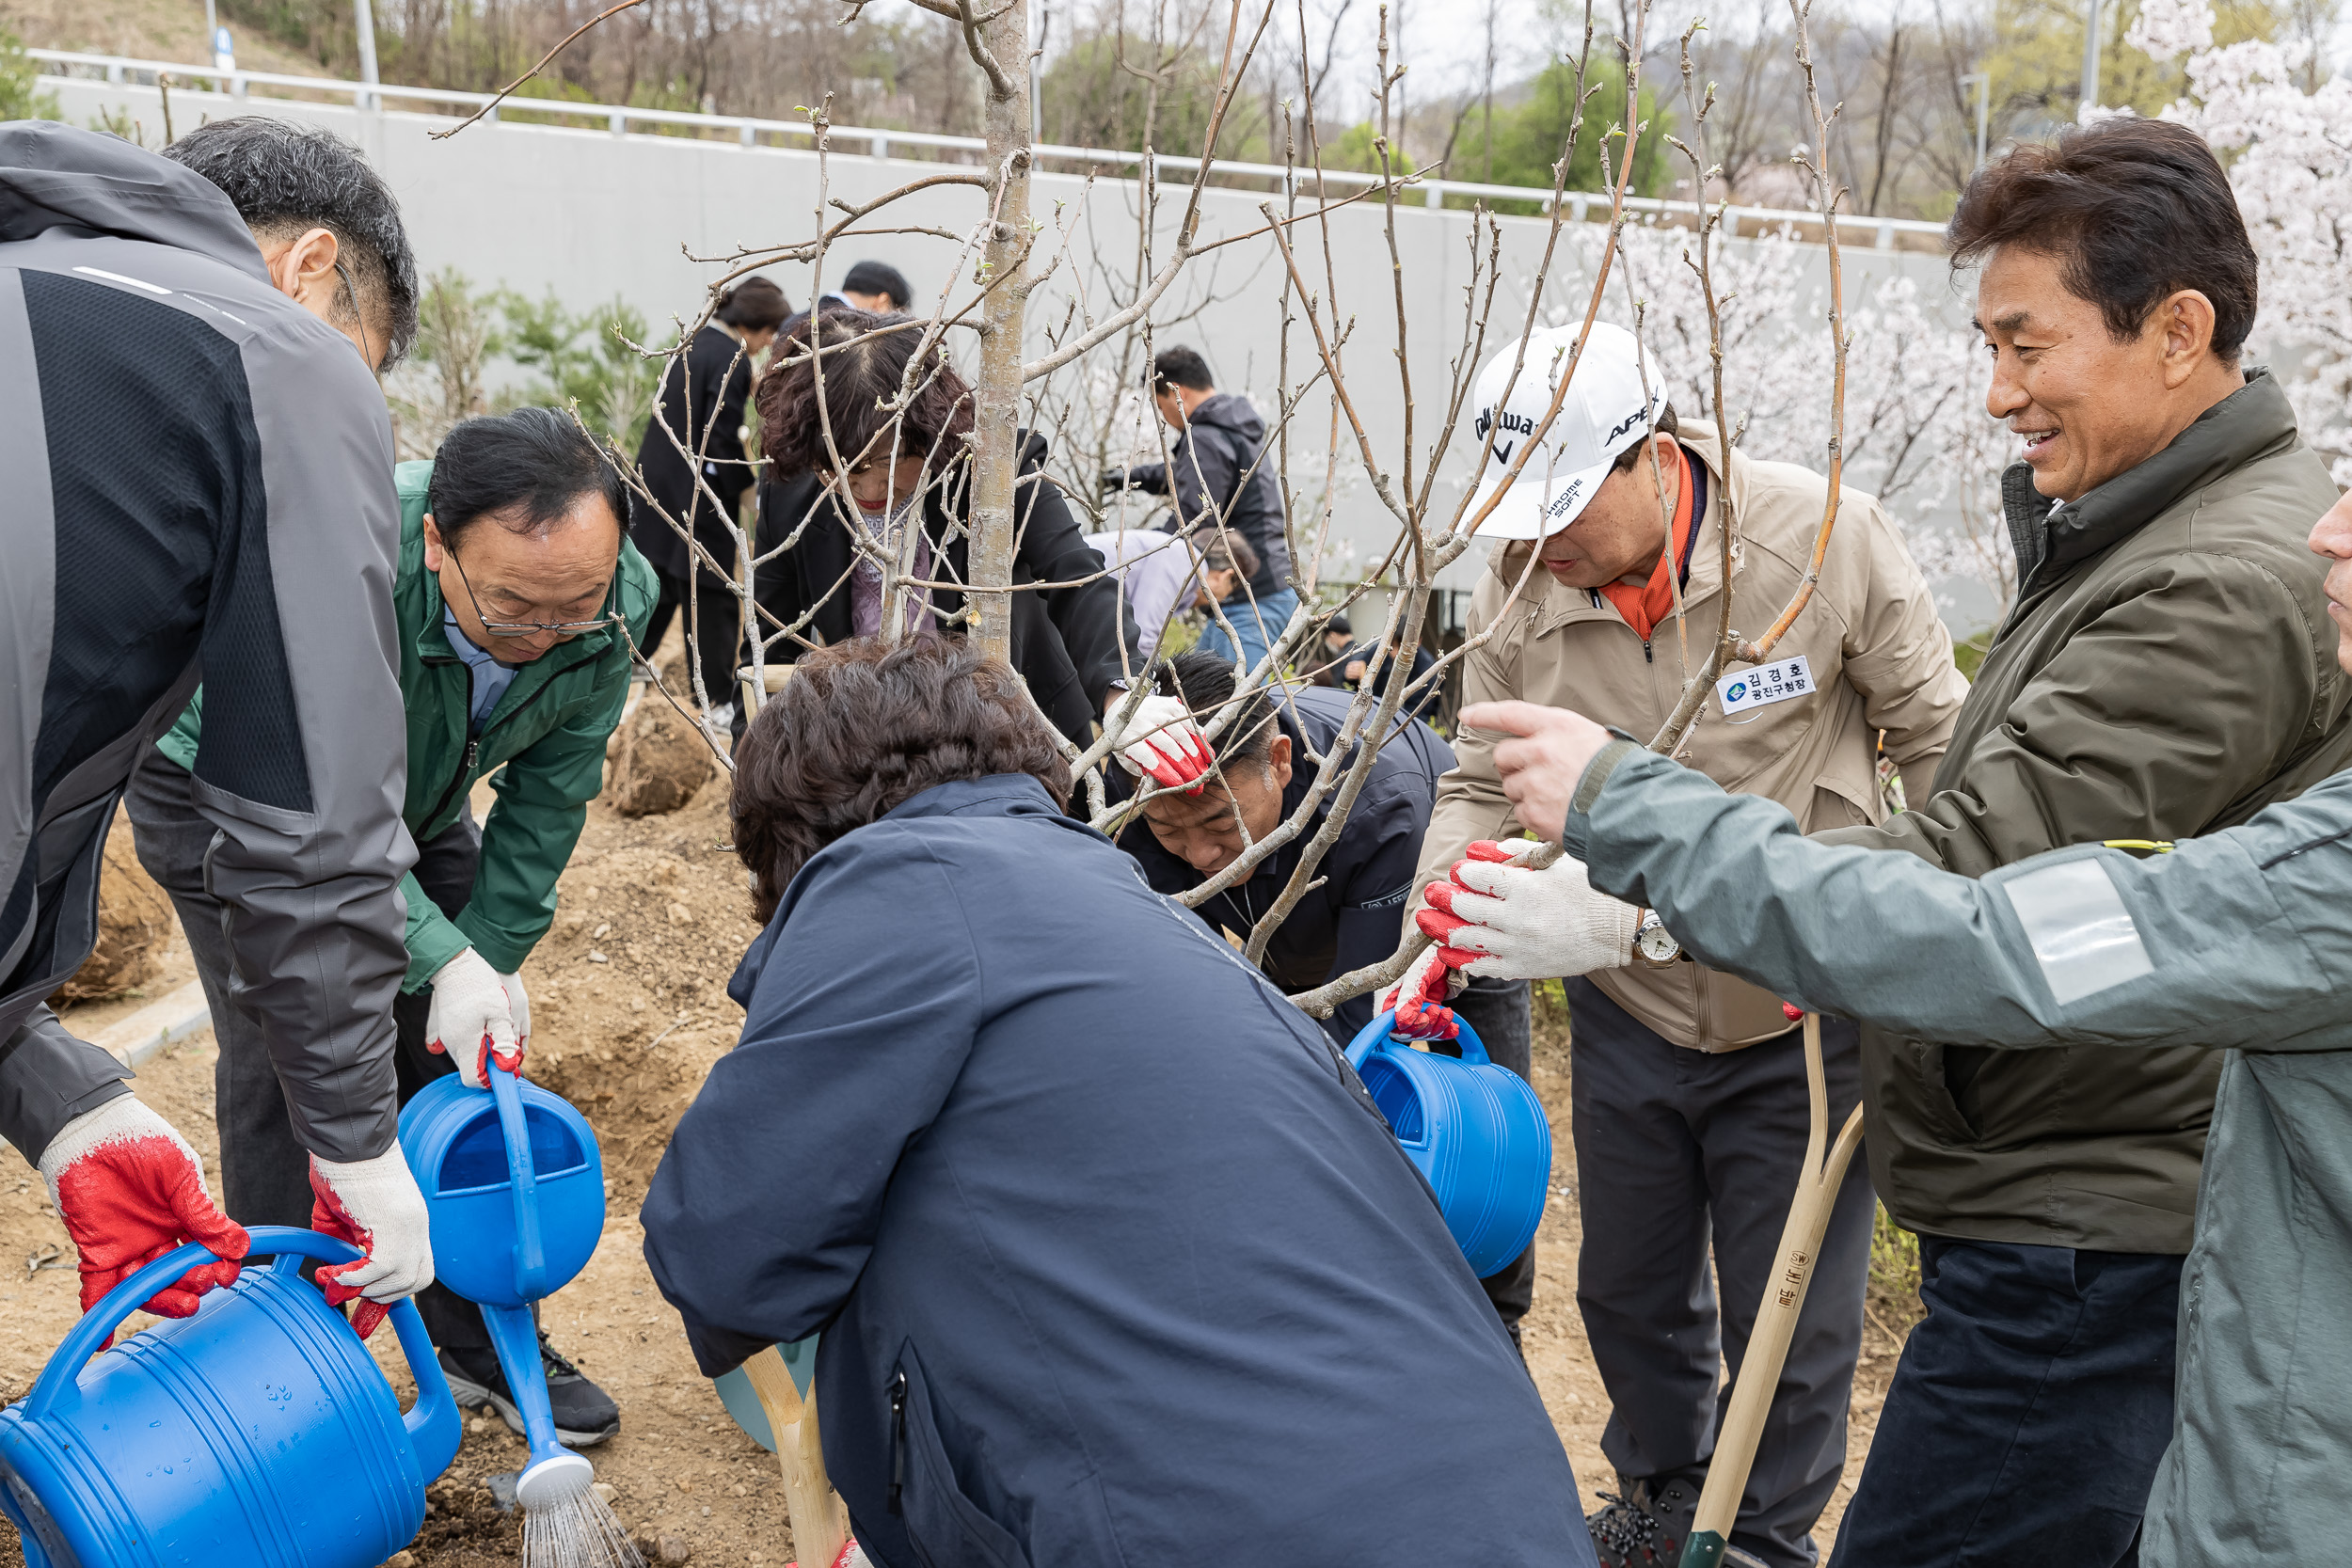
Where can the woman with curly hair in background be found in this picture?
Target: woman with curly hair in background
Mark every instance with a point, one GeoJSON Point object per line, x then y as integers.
{"type": "Point", "coordinates": [902, 477]}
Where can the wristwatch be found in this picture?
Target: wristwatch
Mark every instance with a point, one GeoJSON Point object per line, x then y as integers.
{"type": "Point", "coordinates": [1653, 943]}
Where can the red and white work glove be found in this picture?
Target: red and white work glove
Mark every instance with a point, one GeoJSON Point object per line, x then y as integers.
{"type": "Point", "coordinates": [1420, 999]}
{"type": "Point", "coordinates": [375, 1205]}
{"type": "Point", "coordinates": [477, 1013]}
{"type": "Point", "coordinates": [129, 1189]}
{"type": "Point", "coordinates": [851, 1556]}
{"type": "Point", "coordinates": [1160, 740]}
{"type": "Point", "coordinates": [1500, 919]}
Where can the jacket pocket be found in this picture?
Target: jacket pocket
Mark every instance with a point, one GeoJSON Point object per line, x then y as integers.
{"type": "Point", "coordinates": [1939, 1105]}
{"type": "Point", "coordinates": [947, 1529]}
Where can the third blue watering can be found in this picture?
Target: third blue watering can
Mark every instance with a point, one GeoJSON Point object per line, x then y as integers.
{"type": "Point", "coordinates": [1476, 1131]}
{"type": "Point", "coordinates": [257, 1432]}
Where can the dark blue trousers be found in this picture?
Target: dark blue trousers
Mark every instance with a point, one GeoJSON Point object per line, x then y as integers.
{"type": "Point", "coordinates": [2028, 1415]}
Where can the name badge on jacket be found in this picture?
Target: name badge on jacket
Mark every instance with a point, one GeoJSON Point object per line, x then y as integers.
{"type": "Point", "coordinates": [1764, 684]}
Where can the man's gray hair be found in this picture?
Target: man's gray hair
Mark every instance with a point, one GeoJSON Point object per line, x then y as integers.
{"type": "Point", "coordinates": [284, 177]}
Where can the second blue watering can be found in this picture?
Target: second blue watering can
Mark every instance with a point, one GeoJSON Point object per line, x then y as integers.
{"type": "Point", "coordinates": [257, 1432]}
{"type": "Point", "coordinates": [513, 1183]}
{"type": "Point", "coordinates": [1476, 1131]}
{"type": "Point", "coordinates": [515, 1186]}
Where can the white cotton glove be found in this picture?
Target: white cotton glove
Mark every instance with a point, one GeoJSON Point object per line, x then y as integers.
{"type": "Point", "coordinates": [1420, 997]}
{"type": "Point", "coordinates": [475, 1013]}
{"type": "Point", "coordinates": [375, 1205]}
{"type": "Point", "coordinates": [517, 1004]}
{"type": "Point", "coordinates": [1500, 919]}
{"type": "Point", "coordinates": [1160, 738]}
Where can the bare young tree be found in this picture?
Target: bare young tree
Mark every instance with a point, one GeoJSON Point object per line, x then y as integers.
{"type": "Point", "coordinates": [1032, 371]}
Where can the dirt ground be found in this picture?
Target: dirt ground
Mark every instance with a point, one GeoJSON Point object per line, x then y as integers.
{"type": "Point", "coordinates": [629, 1010]}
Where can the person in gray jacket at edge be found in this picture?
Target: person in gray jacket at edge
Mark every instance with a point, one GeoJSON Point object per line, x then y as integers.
{"type": "Point", "coordinates": [2246, 935]}
{"type": "Point", "coordinates": [200, 488]}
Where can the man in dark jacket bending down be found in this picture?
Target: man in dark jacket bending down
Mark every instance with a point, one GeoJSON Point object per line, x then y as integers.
{"type": "Point", "coordinates": [1266, 759]}
{"type": "Point", "coordinates": [1116, 1261]}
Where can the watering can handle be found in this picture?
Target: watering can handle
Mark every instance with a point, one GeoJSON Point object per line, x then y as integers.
{"type": "Point", "coordinates": [1376, 1032]}
{"type": "Point", "coordinates": [432, 1423]}
{"type": "Point", "coordinates": [531, 1258]}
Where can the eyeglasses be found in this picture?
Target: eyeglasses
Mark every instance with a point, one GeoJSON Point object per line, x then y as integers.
{"type": "Point", "coordinates": [524, 628]}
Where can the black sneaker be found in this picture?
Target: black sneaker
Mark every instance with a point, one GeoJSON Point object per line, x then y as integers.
{"type": "Point", "coordinates": [584, 1414]}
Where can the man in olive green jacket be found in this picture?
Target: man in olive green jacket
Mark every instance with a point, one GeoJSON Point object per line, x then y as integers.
{"type": "Point", "coordinates": [2167, 672]}
{"type": "Point", "coordinates": [510, 610]}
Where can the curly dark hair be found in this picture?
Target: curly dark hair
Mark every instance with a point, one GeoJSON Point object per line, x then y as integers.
{"type": "Point", "coordinates": [2137, 210]}
{"type": "Point", "coordinates": [861, 729]}
{"type": "Point", "coordinates": [865, 358]}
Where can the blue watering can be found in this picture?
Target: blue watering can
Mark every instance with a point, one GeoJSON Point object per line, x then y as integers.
{"type": "Point", "coordinates": [260, 1430]}
{"type": "Point", "coordinates": [1476, 1131]}
{"type": "Point", "coordinates": [515, 1186]}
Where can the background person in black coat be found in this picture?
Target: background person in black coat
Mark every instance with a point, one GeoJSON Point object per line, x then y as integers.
{"type": "Point", "coordinates": [1074, 645]}
{"type": "Point", "coordinates": [1115, 1259]}
{"type": "Point", "coordinates": [1215, 478]}
{"type": "Point", "coordinates": [702, 393]}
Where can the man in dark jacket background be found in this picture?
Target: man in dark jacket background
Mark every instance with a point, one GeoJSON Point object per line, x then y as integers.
{"type": "Point", "coordinates": [1115, 1259]}
{"type": "Point", "coordinates": [256, 520]}
{"type": "Point", "coordinates": [1217, 477]}
{"type": "Point", "coordinates": [2167, 672]}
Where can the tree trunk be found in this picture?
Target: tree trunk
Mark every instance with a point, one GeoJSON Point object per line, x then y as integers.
{"type": "Point", "coordinates": [997, 401]}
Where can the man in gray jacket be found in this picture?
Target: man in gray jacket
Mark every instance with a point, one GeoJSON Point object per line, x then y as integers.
{"type": "Point", "coordinates": [200, 487]}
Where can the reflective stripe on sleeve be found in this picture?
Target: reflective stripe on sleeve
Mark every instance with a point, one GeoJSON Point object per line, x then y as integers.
{"type": "Point", "coordinates": [2081, 933]}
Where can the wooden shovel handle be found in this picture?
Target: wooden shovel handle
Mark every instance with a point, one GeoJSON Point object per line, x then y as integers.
{"type": "Point", "coordinates": [1776, 1317]}
{"type": "Point", "coordinates": [820, 1525]}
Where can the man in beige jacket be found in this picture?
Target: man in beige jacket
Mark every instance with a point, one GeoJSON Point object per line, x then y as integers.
{"type": "Point", "coordinates": [1691, 1107]}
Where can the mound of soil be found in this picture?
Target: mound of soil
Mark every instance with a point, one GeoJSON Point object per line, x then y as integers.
{"type": "Point", "coordinates": [136, 924]}
{"type": "Point", "coordinates": [658, 761]}
{"type": "Point", "coordinates": [628, 1003]}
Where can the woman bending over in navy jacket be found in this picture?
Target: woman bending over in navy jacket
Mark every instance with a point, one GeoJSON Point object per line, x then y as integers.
{"type": "Point", "coordinates": [1115, 1262]}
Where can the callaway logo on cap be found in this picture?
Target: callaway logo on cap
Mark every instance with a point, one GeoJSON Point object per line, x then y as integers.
{"type": "Point", "coordinates": [1604, 413]}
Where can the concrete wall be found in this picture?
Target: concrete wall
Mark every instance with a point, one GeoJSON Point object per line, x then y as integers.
{"type": "Point", "coordinates": [592, 215]}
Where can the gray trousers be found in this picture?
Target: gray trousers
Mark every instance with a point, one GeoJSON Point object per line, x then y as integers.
{"type": "Point", "coordinates": [264, 1173]}
{"type": "Point", "coordinates": [1498, 1010]}
{"type": "Point", "coordinates": [1679, 1151]}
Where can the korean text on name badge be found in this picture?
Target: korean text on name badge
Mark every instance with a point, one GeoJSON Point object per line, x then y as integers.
{"type": "Point", "coordinates": [1764, 684]}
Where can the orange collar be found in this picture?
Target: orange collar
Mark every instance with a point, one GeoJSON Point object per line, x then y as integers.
{"type": "Point", "coordinates": [1653, 601]}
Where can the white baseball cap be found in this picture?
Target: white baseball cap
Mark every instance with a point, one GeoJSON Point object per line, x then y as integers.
{"type": "Point", "coordinates": [1604, 413]}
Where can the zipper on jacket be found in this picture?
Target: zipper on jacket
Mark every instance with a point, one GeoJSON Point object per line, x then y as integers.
{"type": "Point", "coordinates": [1648, 658]}
{"type": "Point", "coordinates": [898, 1438]}
{"type": "Point", "coordinates": [474, 742]}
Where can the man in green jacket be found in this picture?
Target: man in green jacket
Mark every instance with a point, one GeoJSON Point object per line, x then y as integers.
{"type": "Point", "coordinates": [2165, 673]}
{"type": "Point", "coordinates": [513, 582]}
